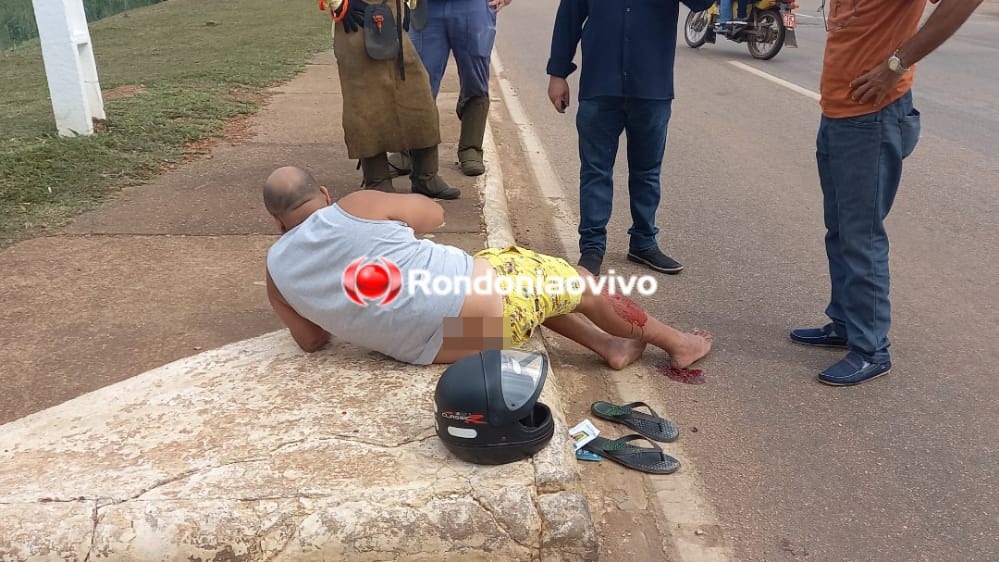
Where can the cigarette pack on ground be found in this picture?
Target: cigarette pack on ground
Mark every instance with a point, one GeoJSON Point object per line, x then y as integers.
{"type": "Point", "coordinates": [583, 433]}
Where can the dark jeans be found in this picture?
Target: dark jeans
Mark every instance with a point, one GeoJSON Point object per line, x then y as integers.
{"type": "Point", "coordinates": [599, 124]}
{"type": "Point", "coordinates": [860, 165]}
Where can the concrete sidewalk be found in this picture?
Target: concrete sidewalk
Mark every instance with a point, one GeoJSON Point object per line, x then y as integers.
{"type": "Point", "coordinates": [253, 450]}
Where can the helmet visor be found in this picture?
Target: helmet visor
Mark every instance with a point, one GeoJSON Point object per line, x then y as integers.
{"type": "Point", "coordinates": [521, 375]}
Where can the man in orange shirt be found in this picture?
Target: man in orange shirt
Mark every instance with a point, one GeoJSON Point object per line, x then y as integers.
{"type": "Point", "coordinates": [868, 127]}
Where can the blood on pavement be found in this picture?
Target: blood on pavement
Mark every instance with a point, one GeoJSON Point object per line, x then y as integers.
{"type": "Point", "coordinates": [688, 376]}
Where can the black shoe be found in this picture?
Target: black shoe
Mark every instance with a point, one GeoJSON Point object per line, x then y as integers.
{"type": "Point", "coordinates": [655, 259]}
{"type": "Point", "coordinates": [591, 260]}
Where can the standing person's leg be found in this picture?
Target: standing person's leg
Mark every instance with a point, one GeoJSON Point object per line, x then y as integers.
{"type": "Point", "coordinates": [376, 173]}
{"type": "Point", "coordinates": [434, 47]}
{"type": "Point", "coordinates": [473, 29]}
{"type": "Point", "coordinates": [425, 176]}
{"type": "Point", "coordinates": [865, 168]}
{"type": "Point", "coordinates": [433, 43]}
{"type": "Point", "coordinates": [832, 334]}
{"type": "Point", "coordinates": [647, 125]}
{"type": "Point", "coordinates": [366, 133]}
{"type": "Point", "coordinates": [599, 123]}
{"type": "Point", "coordinates": [743, 8]}
{"type": "Point", "coordinates": [724, 11]}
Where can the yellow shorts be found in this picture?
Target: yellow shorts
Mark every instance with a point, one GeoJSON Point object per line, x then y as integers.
{"type": "Point", "coordinates": [529, 304]}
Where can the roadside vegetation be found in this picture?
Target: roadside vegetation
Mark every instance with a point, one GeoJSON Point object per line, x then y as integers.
{"type": "Point", "coordinates": [17, 19]}
{"type": "Point", "coordinates": [173, 73]}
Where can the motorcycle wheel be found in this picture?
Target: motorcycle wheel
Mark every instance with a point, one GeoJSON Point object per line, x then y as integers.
{"type": "Point", "coordinates": [767, 23]}
{"type": "Point", "coordinates": [695, 28]}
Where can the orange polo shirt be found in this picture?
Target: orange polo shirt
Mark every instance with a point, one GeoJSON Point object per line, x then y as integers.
{"type": "Point", "coordinates": [862, 35]}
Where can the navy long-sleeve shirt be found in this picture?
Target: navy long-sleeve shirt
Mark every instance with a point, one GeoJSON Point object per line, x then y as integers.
{"type": "Point", "coordinates": [628, 46]}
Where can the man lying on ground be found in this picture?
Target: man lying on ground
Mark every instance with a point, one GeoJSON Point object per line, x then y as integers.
{"type": "Point", "coordinates": [312, 283]}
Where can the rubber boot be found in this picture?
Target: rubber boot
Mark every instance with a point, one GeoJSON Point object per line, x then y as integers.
{"type": "Point", "coordinates": [473, 113]}
{"type": "Point", "coordinates": [399, 164]}
{"type": "Point", "coordinates": [376, 173]}
{"type": "Point", "coordinates": [426, 180]}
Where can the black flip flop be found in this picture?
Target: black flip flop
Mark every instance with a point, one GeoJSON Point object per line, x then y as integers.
{"type": "Point", "coordinates": [644, 459]}
{"type": "Point", "coordinates": [650, 425]}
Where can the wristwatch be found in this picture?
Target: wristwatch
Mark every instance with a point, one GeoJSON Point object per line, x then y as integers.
{"type": "Point", "coordinates": [895, 64]}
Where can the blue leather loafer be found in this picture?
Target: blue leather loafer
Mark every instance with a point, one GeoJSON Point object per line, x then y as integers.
{"type": "Point", "coordinates": [853, 369]}
{"type": "Point", "coordinates": [825, 336]}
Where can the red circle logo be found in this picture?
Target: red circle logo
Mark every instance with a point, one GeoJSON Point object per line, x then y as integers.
{"type": "Point", "coordinates": [379, 279]}
{"type": "Point", "coordinates": [372, 281]}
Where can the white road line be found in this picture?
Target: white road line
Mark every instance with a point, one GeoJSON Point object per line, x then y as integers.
{"type": "Point", "coordinates": [779, 81]}
{"type": "Point", "coordinates": [693, 525]}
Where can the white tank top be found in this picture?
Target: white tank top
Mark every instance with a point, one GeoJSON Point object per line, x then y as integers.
{"type": "Point", "coordinates": [308, 264]}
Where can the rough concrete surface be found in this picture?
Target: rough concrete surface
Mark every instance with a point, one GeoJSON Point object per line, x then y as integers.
{"type": "Point", "coordinates": [258, 451]}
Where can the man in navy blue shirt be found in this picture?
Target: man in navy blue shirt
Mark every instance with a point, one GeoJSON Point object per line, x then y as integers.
{"type": "Point", "coordinates": [626, 85]}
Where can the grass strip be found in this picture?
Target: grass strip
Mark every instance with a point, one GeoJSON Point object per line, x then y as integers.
{"type": "Point", "coordinates": [187, 66]}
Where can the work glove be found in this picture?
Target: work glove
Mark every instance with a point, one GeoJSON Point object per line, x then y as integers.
{"type": "Point", "coordinates": [355, 16]}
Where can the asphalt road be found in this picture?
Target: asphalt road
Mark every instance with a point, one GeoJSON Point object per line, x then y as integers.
{"type": "Point", "coordinates": [902, 468]}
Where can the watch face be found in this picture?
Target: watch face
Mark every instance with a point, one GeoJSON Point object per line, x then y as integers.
{"type": "Point", "coordinates": [894, 64]}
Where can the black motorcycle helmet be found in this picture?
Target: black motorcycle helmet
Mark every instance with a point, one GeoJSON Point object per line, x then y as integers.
{"type": "Point", "coordinates": [486, 409]}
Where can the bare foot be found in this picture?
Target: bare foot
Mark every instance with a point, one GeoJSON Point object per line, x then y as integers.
{"type": "Point", "coordinates": [696, 345]}
{"type": "Point", "coordinates": [624, 353]}
{"type": "Point", "coordinates": [704, 334]}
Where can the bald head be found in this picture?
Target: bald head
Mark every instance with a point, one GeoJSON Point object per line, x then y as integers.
{"type": "Point", "coordinates": [288, 190]}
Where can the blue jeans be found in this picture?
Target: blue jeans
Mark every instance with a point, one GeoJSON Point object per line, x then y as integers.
{"type": "Point", "coordinates": [465, 27]}
{"type": "Point", "coordinates": [725, 10]}
{"type": "Point", "coordinates": [599, 124]}
{"type": "Point", "coordinates": [860, 165]}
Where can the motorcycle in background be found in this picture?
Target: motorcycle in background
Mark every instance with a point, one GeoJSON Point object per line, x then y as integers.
{"type": "Point", "coordinates": [769, 26]}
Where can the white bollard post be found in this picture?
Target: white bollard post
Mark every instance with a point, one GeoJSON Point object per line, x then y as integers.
{"type": "Point", "coordinates": [69, 65]}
